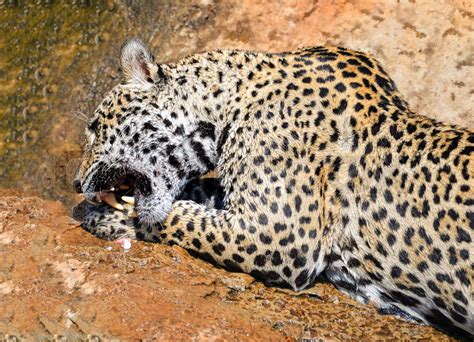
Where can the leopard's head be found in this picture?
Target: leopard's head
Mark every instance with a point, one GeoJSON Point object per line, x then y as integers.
{"type": "Point", "coordinates": [135, 136]}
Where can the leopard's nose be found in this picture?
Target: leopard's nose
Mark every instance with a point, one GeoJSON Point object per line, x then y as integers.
{"type": "Point", "coordinates": [76, 185]}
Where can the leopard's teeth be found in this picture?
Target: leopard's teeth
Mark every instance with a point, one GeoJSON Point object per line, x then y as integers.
{"type": "Point", "coordinates": [128, 199]}
{"type": "Point", "coordinates": [112, 201]}
{"type": "Point", "coordinates": [98, 198]}
{"type": "Point", "coordinates": [133, 214]}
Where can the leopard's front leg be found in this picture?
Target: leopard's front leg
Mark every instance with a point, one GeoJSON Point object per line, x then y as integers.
{"type": "Point", "coordinates": [211, 233]}
{"type": "Point", "coordinates": [232, 241]}
{"type": "Point", "coordinates": [239, 243]}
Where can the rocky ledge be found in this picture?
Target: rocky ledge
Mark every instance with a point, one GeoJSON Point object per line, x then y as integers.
{"type": "Point", "coordinates": [56, 279]}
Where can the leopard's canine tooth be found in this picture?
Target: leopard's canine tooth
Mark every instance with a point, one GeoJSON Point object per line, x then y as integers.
{"type": "Point", "coordinates": [112, 201]}
{"type": "Point", "coordinates": [133, 214]}
{"type": "Point", "coordinates": [128, 199]}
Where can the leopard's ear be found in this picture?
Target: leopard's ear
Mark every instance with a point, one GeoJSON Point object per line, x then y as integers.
{"type": "Point", "coordinates": [137, 62]}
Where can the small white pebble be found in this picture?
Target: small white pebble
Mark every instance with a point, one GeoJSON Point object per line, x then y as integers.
{"type": "Point", "coordinates": [127, 244]}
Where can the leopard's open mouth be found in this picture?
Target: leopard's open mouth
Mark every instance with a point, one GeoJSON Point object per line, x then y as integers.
{"type": "Point", "coordinates": [118, 187]}
{"type": "Point", "coordinates": [123, 191]}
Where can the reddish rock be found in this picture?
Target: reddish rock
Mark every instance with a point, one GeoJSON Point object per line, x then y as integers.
{"type": "Point", "coordinates": [56, 279]}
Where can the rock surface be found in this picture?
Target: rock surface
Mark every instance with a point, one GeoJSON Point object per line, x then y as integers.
{"type": "Point", "coordinates": [56, 279]}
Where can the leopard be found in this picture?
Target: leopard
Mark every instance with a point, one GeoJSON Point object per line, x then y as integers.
{"type": "Point", "coordinates": [325, 173]}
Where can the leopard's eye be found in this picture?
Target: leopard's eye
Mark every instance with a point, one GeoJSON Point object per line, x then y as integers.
{"type": "Point", "coordinates": [93, 126]}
